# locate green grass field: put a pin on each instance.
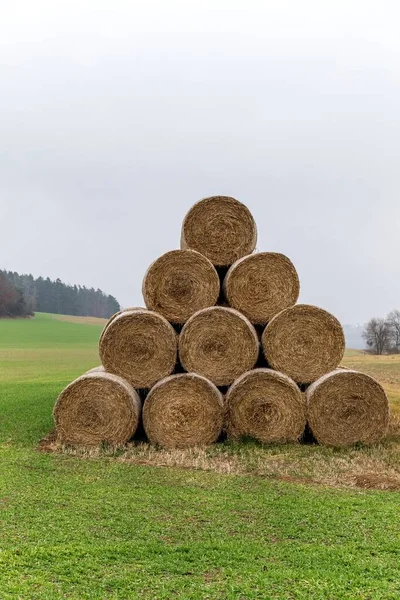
(108, 527)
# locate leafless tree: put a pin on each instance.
(378, 335)
(393, 319)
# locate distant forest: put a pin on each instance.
(44, 295)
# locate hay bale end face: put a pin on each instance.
(95, 408)
(180, 283)
(140, 346)
(218, 343)
(221, 228)
(182, 411)
(262, 285)
(265, 405)
(347, 407)
(304, 342)
(114, 316)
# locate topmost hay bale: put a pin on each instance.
(346, 407)
(180, 283)
(139, 345)
(262, 285)
(221, 228)
(303, 341)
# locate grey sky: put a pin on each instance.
(115, 117)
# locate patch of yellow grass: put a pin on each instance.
(376, 467)
(80, 320)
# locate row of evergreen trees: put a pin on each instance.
(44, 295)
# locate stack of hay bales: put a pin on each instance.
(221, 346)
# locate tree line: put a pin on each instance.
(12, 301)
(382, 336)
(26, 294)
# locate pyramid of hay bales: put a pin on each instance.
(221, 347)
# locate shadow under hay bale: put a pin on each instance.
(303, 341)
(182, 411)
(265, 405)
(347, 407)
(97, 408)
(221, 228)
(261, 285)
(139, 345)
(180, 283)
(218, 343)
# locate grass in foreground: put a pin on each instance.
(100, 529)
(108, 528)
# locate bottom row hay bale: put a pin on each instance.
(183, 410)
(347, 407)
(265, 405)
(343, 408)
(97, 408)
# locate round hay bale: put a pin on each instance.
(95, 408)
(304, 342)
(346, 407)
(262, 285)
(139, 345)
(182, 411)
(218, 343)
(111, 319)
(180, 283)
(265, 405)
(221, 228)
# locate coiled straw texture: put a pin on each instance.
(139, 345)
(182, 411)
(304, 342)
(221, 228)
(262, 285)
(347, 407)
(265, 405)
(97, 408)
(180, 283)
(218, 343)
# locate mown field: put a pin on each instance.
(237, 521)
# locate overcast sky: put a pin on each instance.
(115, 117)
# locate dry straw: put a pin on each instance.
(265, 405)
(139, 345)
(346, 407)
(179, 283)
(221, 228)
(95, 408)
(182, 411)
(219, 343)
(262, 285)
(303, 341)
(111, 319)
